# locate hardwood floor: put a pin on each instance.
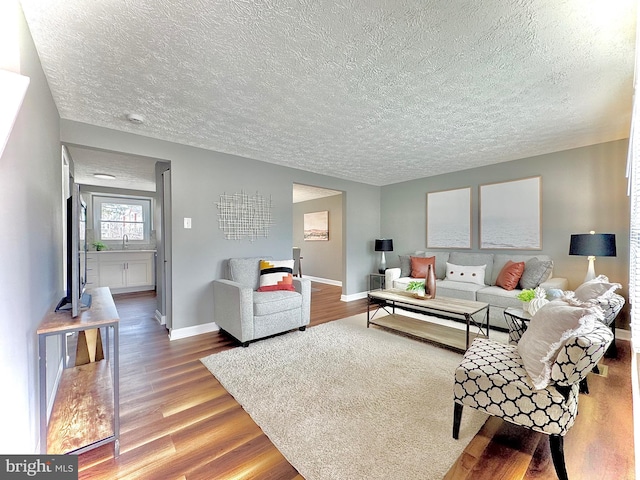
(177, 422)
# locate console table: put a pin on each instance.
(85, 410)
(445, 307)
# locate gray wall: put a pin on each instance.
(199, 177)
(582, 189)
(322, 259)
(31, 245)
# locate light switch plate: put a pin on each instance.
(187, 222)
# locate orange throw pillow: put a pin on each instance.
(510, 275)
(419, 266)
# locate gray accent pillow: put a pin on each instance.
(535, 272)
(405, 265)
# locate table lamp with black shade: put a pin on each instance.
(383, 245)
(592, 245)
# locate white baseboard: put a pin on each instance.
(178, 333)
(328, 281)
(355, 296)
(623, 334)
(162, 319)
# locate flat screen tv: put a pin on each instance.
(76, 298)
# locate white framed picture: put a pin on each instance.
(449, 218)
(316, 226)
(510, 215)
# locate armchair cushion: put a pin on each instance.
(267, 303)
(548, 331)
(596, 289)
(276, 275)
(246, 271)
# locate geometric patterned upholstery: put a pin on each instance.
(491, 378)
(611, 306)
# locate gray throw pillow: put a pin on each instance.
(405, 265)
(535, 272)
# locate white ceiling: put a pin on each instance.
(376, 91)
(304, 193)
(131, 172)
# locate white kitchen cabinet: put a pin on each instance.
(126, 271)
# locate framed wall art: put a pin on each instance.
(316, 226)
(510, 215)
(449, 218)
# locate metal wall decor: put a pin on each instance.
(243, 216)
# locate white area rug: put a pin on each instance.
(341, 401)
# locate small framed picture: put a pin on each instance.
(316, 226)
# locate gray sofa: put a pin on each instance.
(498, 298)
(242, 311)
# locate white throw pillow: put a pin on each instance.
(466, 273)
(548, 331)
(596, 289)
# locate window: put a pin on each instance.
(115, 217)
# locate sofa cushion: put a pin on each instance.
(468, 258)
(499, 297)
(441, 260)
(267, 303)
(405, 265)
(463, 291)
(510, 274)
(420, 266)
(501, 259)
(276, 275)
(466, 273)
(535, 272)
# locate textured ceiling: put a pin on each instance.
(304, 193)
(131, 172)
(368, 90)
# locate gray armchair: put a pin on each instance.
(247, 314)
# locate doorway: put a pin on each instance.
(322, 255)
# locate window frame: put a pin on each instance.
(147, 209)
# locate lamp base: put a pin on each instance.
(383, 263)
(591, 270)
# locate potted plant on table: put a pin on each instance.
(533, 299)
(416, 288)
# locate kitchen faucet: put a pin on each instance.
(125, 239)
